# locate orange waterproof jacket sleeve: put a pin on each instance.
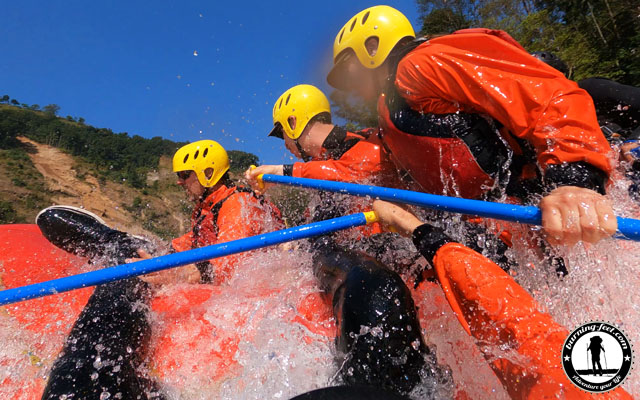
(365, 162)
(497, 311)
(183, 242)
(479, 71)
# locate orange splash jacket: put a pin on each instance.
(356, 157)
(227, 214)
(486, 72)
(496, 311)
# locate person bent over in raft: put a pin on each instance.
(495, 310)
(549, 141)
(222, 212)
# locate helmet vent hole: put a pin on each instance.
(185, 158)
(204, 154)
(341, 34)
(371, 44)
(288, 97)
(353, 24)
(365, 17)
(292, 122)
(196, 155)
(280, 105)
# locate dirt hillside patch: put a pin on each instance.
(113, 202)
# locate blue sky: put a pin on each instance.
(131, 66)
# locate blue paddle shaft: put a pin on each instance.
(178, 259)
(627, 228)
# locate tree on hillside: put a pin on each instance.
(15, 102)
(357, 113)
(4, 99)
(443, 20)
(594, 37)
(34, 107)
(51, 109)
(240, 161)
(610, 28)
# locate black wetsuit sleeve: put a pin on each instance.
(287, 170)
(428, 239)
(578, 174)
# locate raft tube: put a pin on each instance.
(103, 351)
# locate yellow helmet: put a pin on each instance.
(200, 156)
(302, 102)
(383, 22)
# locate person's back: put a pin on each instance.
(488, 73)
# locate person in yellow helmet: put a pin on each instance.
(222, 211)
(546, 141)
(302, 118)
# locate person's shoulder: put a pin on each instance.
(370, 143)
(247, 197)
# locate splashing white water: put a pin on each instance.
(258, 338)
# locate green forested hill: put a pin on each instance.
(45, 160)
(116, 156)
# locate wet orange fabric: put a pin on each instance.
(497, 311)
(481, 71)
(366, 162)
(439, 165)
(42, 324)
(241, 215)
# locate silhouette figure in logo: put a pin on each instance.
(595, 346)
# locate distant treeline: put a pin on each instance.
(593, 37)
(117, 156)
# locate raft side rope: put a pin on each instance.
(628, 228)
(156, 264)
